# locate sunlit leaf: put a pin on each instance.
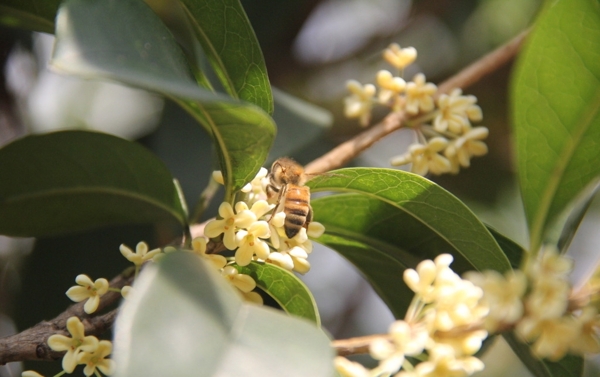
(230, 44)
(425, 220)
(124, 40)
(35, 15)
(569, 366)
(183, 319)
(285, 288)
(75, 180)
(555, 103)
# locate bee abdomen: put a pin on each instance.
(296, 209)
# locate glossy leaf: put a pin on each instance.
(37, 15)
(383, 272)
(124, 40)
(569, 366)
(434, 220)
(285, 288)
(230, 44)
(513, 251)
(75, 180)
(183, 319)
(555, 100)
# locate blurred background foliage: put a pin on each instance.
(311, 48)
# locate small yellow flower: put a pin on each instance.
(460, 151)
(419, 95)
(250, 243)
(347, 368)
(229, 224)
(399, 57)
(390, 87)
(141, 254)
(199, 248)
(426, 158)
(126, 291)
(88, 289)
(552, 337)
(256, 189)
(242, 282)
(97, 359)
(587, 342)
(360, 101)
(78, 342)
(31, 373)
(455, 112)
(503, 294)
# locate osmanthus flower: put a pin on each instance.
(31, 373)
(587, 340)
(251, 242)
(503, 294)
(292, 254)
(360, 102)
(419, 95)
(244, 283)
(551, 337)
(126, 291)
(88, 290)
(460, 150)
(199, 248)
(550, 265)
(406, 340)
(443, 362)
(140, 255)
(426, 158)
(229, 223)
(348, 368)
(390, 87)
(456, 112)
(97, 359)
(399, 57)
(75, 344)
(256, 188)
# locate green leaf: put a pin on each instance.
(75, 180)
(230, 44)
(569, 366)
(37, 15)
(513, 251)
(183, 319)
(382, 271)
(290, 292)
(124, 40)
(555, 102)
(432, 220)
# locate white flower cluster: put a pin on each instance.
(443, 320)
(80, 350)
(255, 233)
(449, 142)
(537, 304)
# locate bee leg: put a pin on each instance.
(309, 217)
(271, 192)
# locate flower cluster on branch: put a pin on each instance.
(447, 138)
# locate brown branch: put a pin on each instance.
(356, 346)
(32, 344)
(343, 153)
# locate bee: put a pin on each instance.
(286, 183)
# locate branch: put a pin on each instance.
(32, 344)
(346, 151)
(356, 346)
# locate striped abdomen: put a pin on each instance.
(297, 209)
